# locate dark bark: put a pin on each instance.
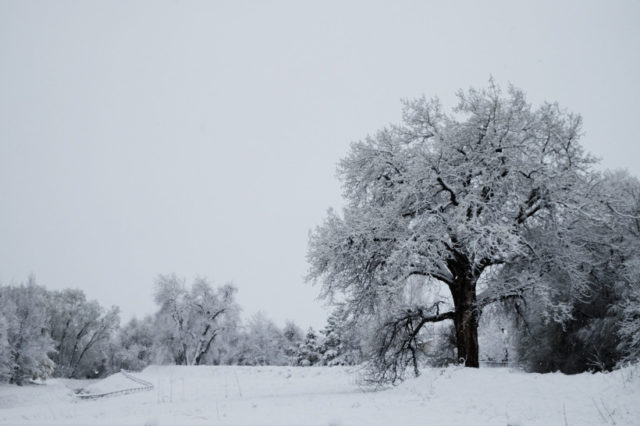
(206, 348)
(79, 336)
(179, 359)
(465, 320)
(466, 325)
(59, 348)
(94, 338)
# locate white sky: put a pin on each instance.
(201, 138)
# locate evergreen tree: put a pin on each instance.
(309, 351)
(340, 345)
(293, 336)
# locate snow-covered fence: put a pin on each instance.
(144, 386)
(138, 380)
(490, 363)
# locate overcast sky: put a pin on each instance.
(201, 138)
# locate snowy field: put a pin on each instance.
(330, 396)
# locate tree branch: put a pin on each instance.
(437, 276)
(484, 301)
(452, 195)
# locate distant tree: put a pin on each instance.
(134, 345)
(191, 320)
(626, 209)
(629, 330)
(309, 351)
(264, 343)
(229, 342)
(81, 331)
(451, 199)
(340, 345)
(293, 336)
(27, 342)
(332, 344)
(64, 326)
(5, 353)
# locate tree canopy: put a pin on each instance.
(452, 198)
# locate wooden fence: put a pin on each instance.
(144, 386)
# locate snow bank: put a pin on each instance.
(324, 396)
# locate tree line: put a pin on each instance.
(483, 234)
(60, 333)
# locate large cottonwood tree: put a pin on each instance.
(450, 197)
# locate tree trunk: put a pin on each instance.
(466, 319)
(201, 353)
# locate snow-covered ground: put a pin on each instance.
(208, 395)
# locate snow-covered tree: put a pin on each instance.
(293, 337)
(81, 330)
(264, 343)
(27, 336)
(190, 321)
(626, 209)
(451, 198)
(341, 342)
(309, 351)
(602, 244)
(629, 329)
(5, 354)
(228, 343)
(133, 346)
